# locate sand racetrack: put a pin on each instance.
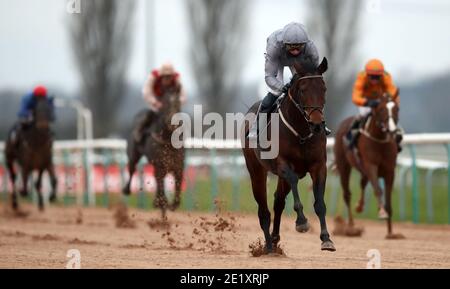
(201, 240)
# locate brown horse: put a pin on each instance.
(33, 151)
(157, 148)
(302, 150)
(375, 158)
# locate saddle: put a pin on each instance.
(273, 109)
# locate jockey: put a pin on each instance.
(27, 106)
(371, 84)
(154, 89)
(285, 47)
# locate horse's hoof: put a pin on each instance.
(303, 228)
(52, 199)
(174, 206)
(275, 240)
(159, 203)
(126, 191)
(24, 194)
(395, 236)
(382, 214)
(269, 249)
(328, 246)
(359, 209)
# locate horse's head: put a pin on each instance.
(43, 113)
(170, 106)
(308, 91)
(386, 115)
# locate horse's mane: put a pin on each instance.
(303, 67)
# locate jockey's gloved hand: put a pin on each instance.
(373, 103)
(286, 88)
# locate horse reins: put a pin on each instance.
(367, 134)
(302, 109)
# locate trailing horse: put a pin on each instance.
(302, 150)
(157, 148)
(32, 151)
(375, 158)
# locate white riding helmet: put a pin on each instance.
(167, 69)
(295, 33)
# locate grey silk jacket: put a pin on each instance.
(277, 57)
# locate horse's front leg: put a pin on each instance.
(38, 186)
(53, 183)
(319, 178)
(12, 176)
(372, 175)
(160, 199)
(282, 191)
(178, 175)
(301, 224)
(389, 182)
(25, 176)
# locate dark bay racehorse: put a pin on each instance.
(32, 151)
(376, 158)
(302, 147)
(157, 148)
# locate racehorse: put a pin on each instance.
(157, 148)
(302, 150)
(32, 151)
(375, 158)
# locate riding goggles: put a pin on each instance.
(375, 77)
(295, 46)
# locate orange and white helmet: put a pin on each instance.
(167, 69)
(374, 67)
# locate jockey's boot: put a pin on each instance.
(16, 132)
(266, 106)
(352, 135)
(138, 132)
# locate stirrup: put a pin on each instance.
(253, 132)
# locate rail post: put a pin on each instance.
(429, 190)
(106, 166)
(214, 179)
(402, 192)
(448, 180)
(67, 167)
(415, 189)
(236, 179)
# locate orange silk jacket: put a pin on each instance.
(363, 90)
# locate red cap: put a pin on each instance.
(40, 91)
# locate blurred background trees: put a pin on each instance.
(218, 48)
(217, 33)
(101, 37)
(334, 26)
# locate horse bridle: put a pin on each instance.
(379, 124)
(303, 111)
